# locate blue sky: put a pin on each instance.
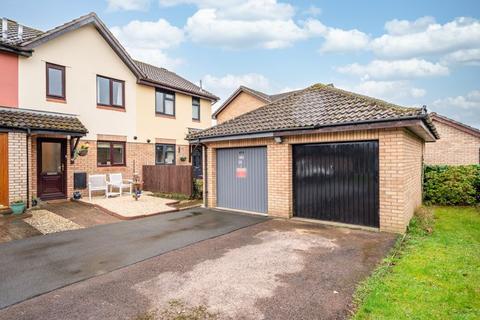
(406, 52)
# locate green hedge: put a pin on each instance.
(452, 185)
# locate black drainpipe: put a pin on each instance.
(28, 171)
(205, 176)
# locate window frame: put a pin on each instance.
(124, 164)
(110, 89)
(165, 92)
(164, 153)
(196, 105)
(48, 66)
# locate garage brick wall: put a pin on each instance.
(400, 155)
(455, 147)
(413, 168)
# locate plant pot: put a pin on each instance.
(17, 208)
(82, 152)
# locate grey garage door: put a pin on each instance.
(337, 182)
(242, 179)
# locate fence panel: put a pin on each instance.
(168, 178)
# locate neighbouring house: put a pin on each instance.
(244, 100)
(320, 153)
(459, 144)
(74, 86)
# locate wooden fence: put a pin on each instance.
(168, 178)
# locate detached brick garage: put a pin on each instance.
(328, 154)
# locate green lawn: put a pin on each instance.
(433, 276)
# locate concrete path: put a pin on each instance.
(37, 265)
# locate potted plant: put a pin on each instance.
(83, 151)
(183, 158)
(34, 201)
(17, 206)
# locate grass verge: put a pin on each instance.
(433, 272)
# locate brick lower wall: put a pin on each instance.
(400, 163)
(455, 147)
(17, 166)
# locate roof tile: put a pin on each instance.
(15, 118)
(315, 106)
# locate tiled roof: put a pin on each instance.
(263, 96)
(143, 71)
(15, 118)
(170, 79)
(316, 106)
(12, 33)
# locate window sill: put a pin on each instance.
(57, 100)
(110, 165)
(120, 109)
(196, 120)
(168, 116)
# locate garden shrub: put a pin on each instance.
(452, 185)
(197, 189)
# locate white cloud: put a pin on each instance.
(401, 27)
(147, 40)
(128, 5)
(337, 40)
(241, 9)
(468, 56)
(396, 69)
(392, 91)
(462, 108)
(225, 85)
(434, 38)
(313, 11)
(207, 26)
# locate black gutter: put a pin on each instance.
(422, 117)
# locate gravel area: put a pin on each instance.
(126, 206)
(48, 222)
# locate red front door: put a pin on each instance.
(51, 166)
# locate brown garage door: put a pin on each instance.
(337, 182)
(3, 169)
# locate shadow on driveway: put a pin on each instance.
(34, 266)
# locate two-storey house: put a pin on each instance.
(75, 86)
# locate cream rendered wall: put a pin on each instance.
(85, 54)
(151, 125)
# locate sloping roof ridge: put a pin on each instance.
(60, 27)
(204, 92)
(470, 129)
(259, 108)
(378, 102)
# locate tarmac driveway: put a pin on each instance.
(271, 270)
(37, 265)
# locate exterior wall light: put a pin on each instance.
(278, 139)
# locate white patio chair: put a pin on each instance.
(115, 180)
(97, 182)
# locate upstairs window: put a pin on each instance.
(110, 92)
(195, 108)
(55, 81)
(164, 154)
(165, 102)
